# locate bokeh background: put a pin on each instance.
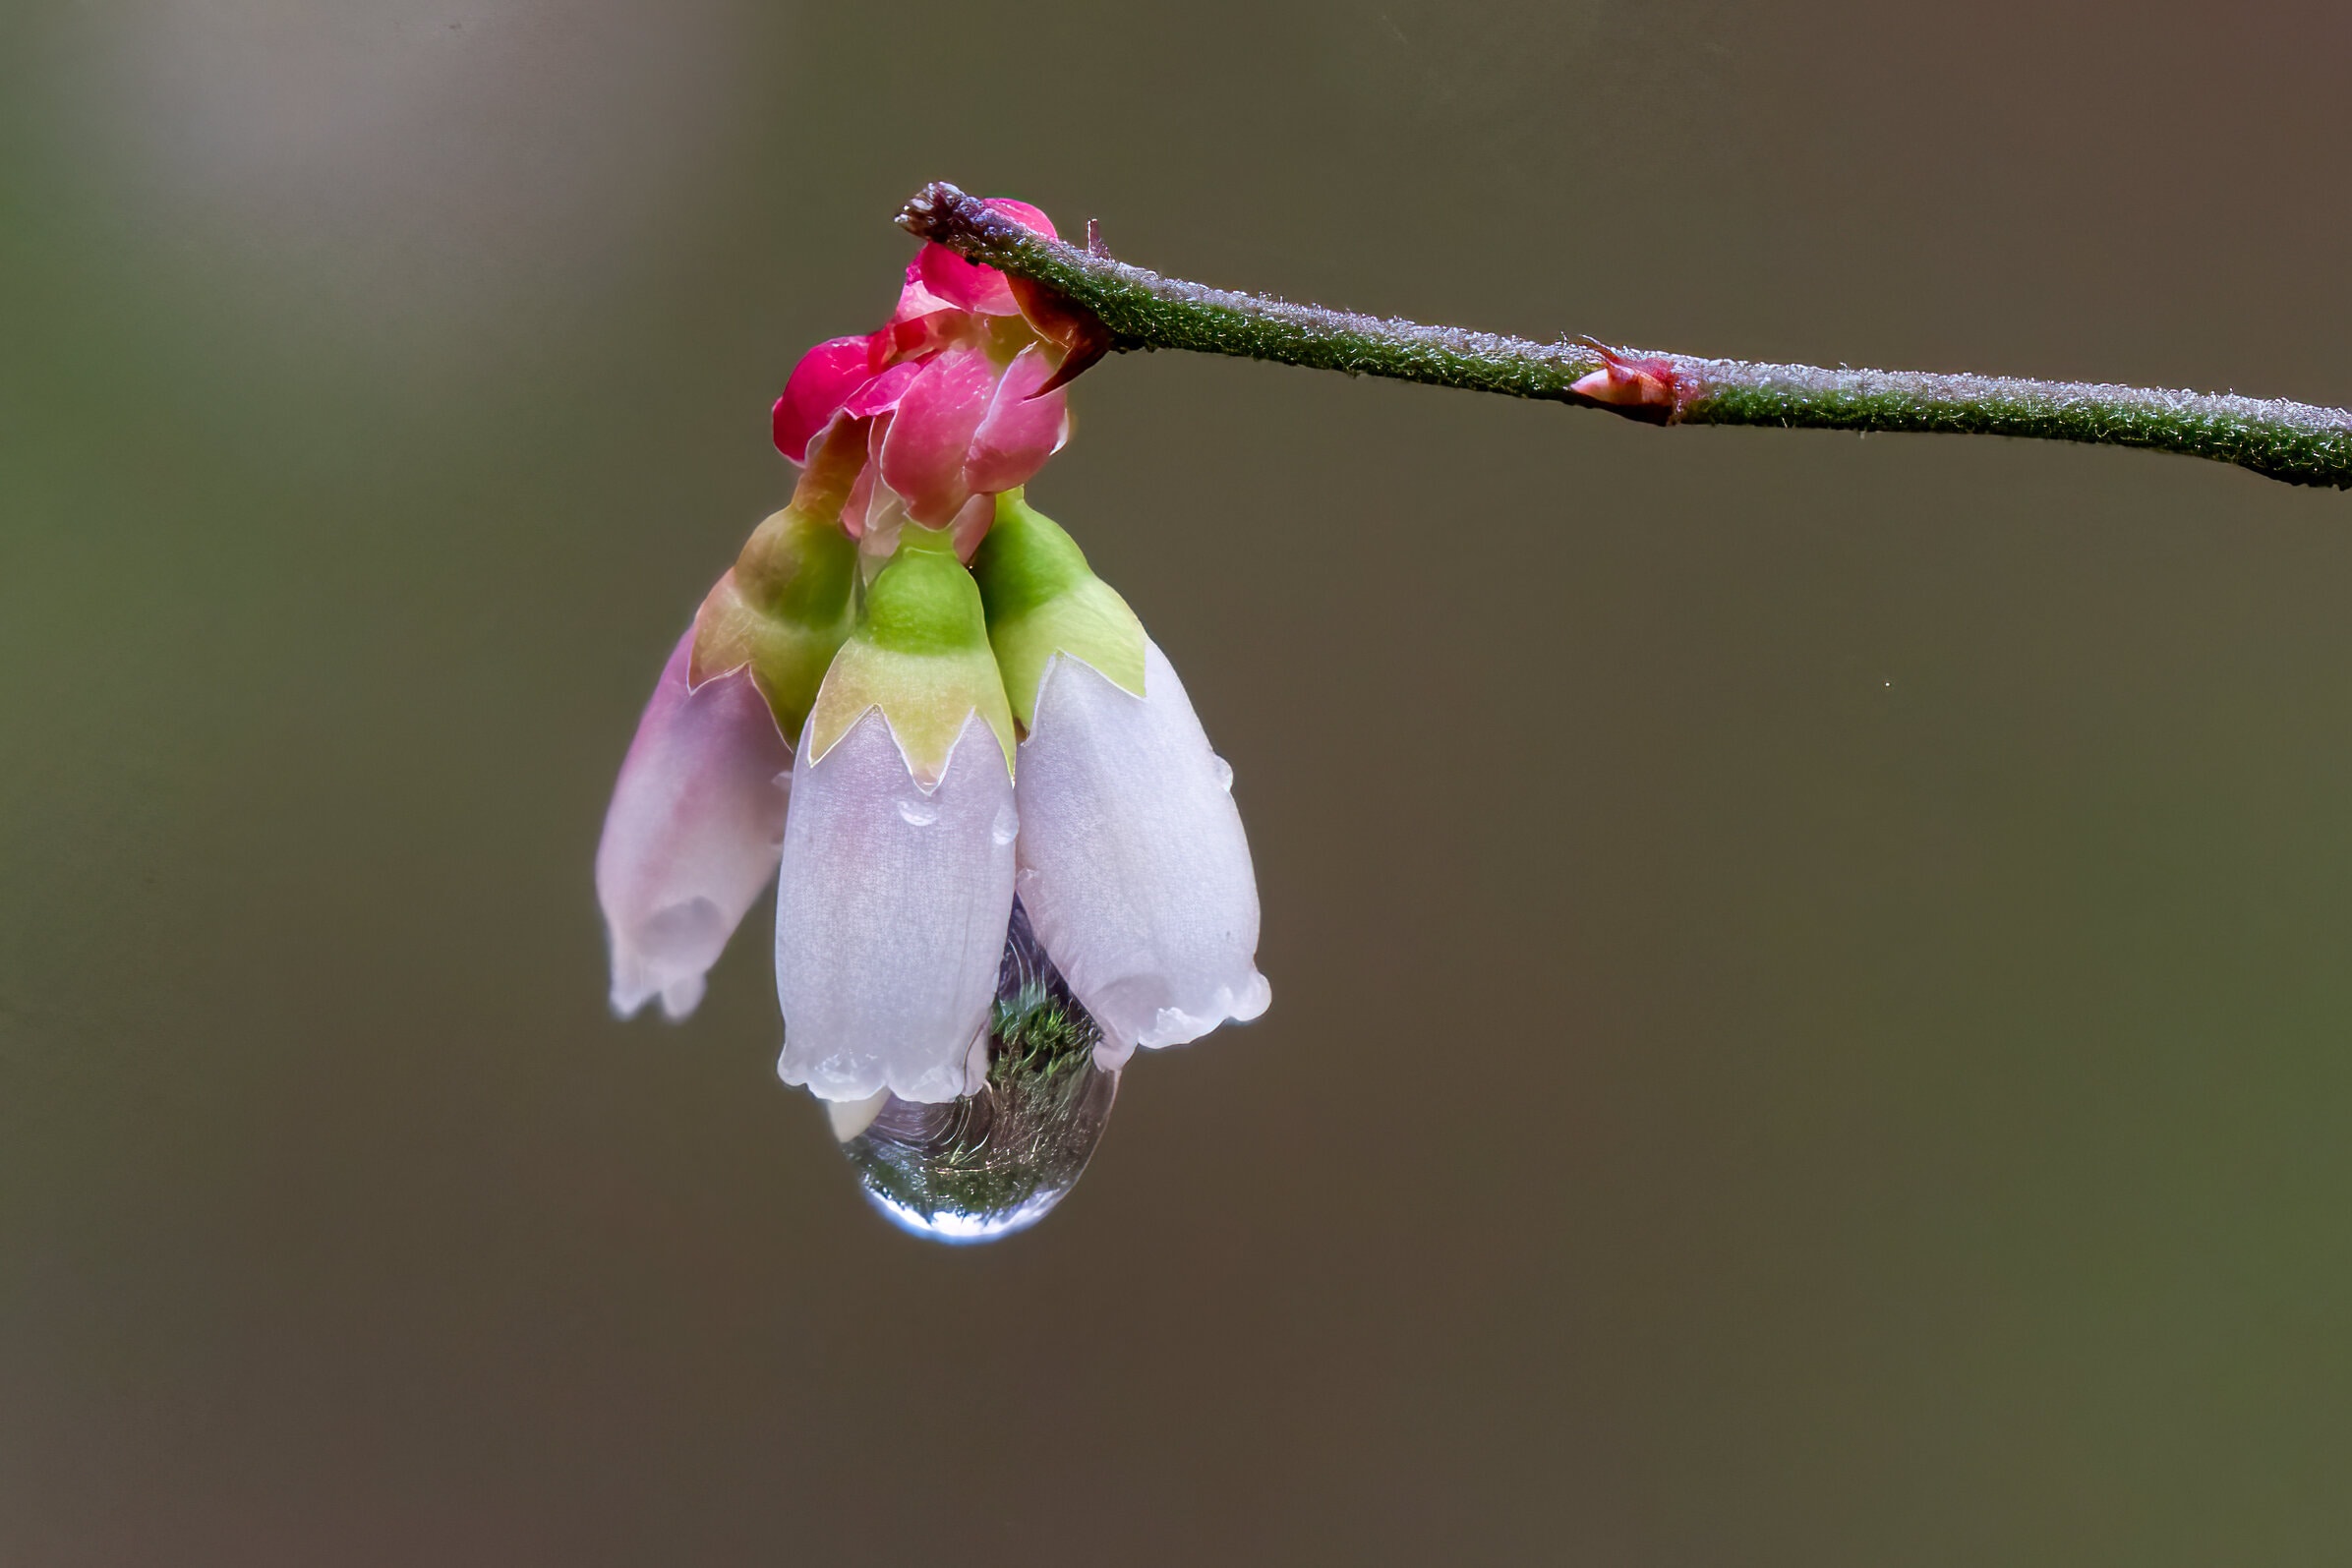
(1811, 989)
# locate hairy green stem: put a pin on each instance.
(1114, 306)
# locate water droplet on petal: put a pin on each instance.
(1224, 772)
(1006, 826)
(997, 1160)
(918, 813)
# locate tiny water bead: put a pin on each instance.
(997, 1160)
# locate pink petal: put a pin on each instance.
(921, 335)
(967, 284)
(922, 457)
(1028, 217)
(692, 834)
(939, 273)
(1020, 429)
(826, 375)
(881, 394)
(916, 298)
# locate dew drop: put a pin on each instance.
(996, 1160)
(1006, 826)
(918, 813)
(1224, 772)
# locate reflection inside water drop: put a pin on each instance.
(996, 1161)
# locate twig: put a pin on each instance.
(1113, 306)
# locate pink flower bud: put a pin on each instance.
(942, 275)
(692, 834)
(962, 385)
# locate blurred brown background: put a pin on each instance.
(1811, 985)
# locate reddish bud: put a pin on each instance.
(956, 396)
(1646, 386)
(825, 376)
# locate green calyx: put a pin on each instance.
(921, 654)
(1042, 598)
(784, 610)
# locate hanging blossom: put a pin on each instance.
(1004, 853)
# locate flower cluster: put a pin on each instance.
(951, 402)
(911, 702)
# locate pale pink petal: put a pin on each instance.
(885, 520)
(860, 499)
(922, 457)
(693, 834)
(873, 514)
(972, 522)
(825, 376)
(1020, 429)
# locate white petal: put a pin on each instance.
(1133, 862)
(891, 912)
(852, 1117)
(691, 836)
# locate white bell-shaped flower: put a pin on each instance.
(891, 909)
(1134, 865)
(691, 837)
(897, 876)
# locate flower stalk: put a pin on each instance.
(1113, 306)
